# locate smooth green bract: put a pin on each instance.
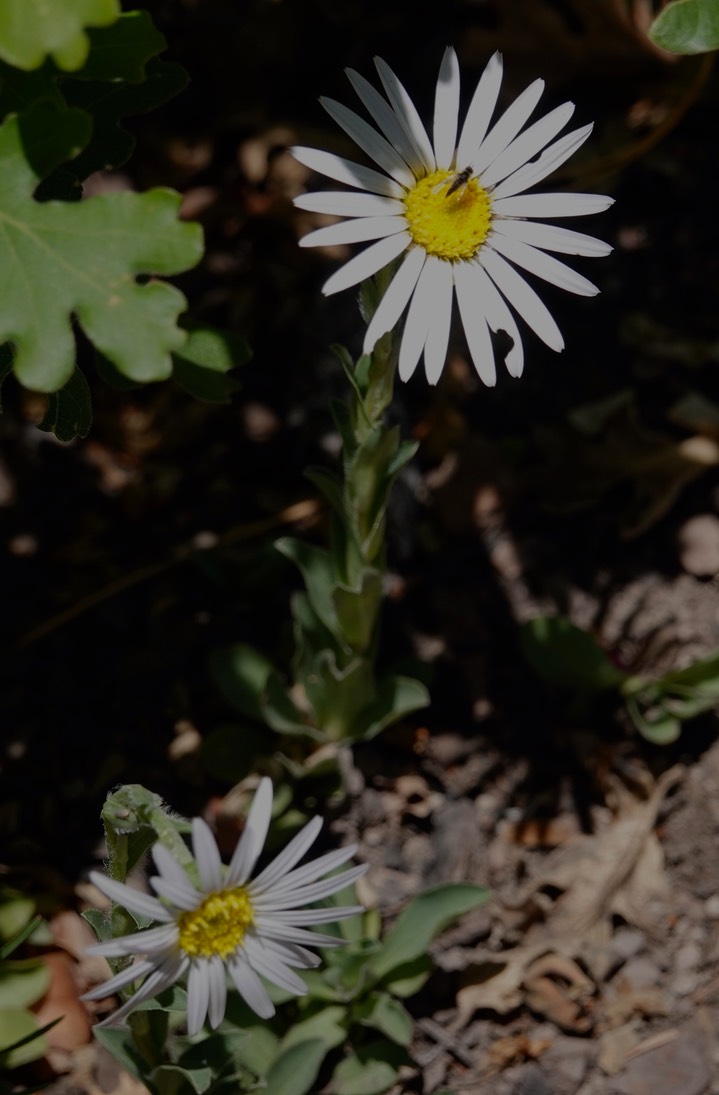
(60, 260)
(31, 30)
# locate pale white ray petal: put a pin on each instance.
(346, 171)
(446, 109)
(435, 348)
(527, 144)
(314, 870)
(522, 298)
(551, 158)
(468, 287)
(302, 917)
(171, 870)
(372, 142)
(480, 111)
(367, 263)
(268, 928)
(544, 266)
(406, 112)
(293, 955)
(207, 857)
(198, 995)
(253, 836)
(147, 942)
(419, 317)
(250, 987)
(218, 991)
(182, 897)
(357, 231)
(156, 983)
(287, 858)
(552, 205)
(342, 203)
(507, 127)
(387, 120)
(285, 898)
(500, 318)
(269, 965)
(552, 238)
(131, 899)
(395, 299)
(124, 977)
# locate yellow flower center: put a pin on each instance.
(449, 225)
(218, 925)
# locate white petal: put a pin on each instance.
(198, 994)
(372, 142)
(218, 991)
(367, 263)
(395, 299)
(268, 928)
(507, 127)
(435, 348)
(551, 158)
(131, 899)
(315, 869)
(552, 205)
(480, 111)
(522, 298)
(342, 203)
(253, 837)
(124, 977)
(292, 954)
(407, 114)
(544, 266)
(291, 854)
(419, 317)
(148, 942)
(182, 897)
(471, 308)
(207, 857)
(500, 318)
(269, 965)
(528, 144)
(250, 987)
(551, 238)
(358, 231)
(310, 916)
(156, 983)
(285, 898)
(446, 109)
(346, 171)
(172, 872)
(387, 120)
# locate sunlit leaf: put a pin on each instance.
(30, 30)
(687, 26)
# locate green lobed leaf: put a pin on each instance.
(328, 1024)
(388, 1016)
(564, 655)
(121, 51)
(687, 26)
(30, 30)
(69, 411)
(317, 570)
(207, 356)
(241, 673)
(425, 916)
(295, 1070)
(23, 982)
(61, 259)
(337, 695)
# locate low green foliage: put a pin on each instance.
(30, 30)
(687, 26)
(23, 982)
(571, 659)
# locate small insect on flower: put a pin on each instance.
(453, 212)
(231, 924)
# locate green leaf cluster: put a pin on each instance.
(687, 26)
(572, 660)
(23, 982)
(71, 72)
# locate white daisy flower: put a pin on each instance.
(247, 927)
(459, 213)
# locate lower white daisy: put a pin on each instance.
(458, 212)
(232, 924)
